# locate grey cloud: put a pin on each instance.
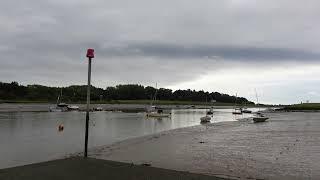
(146, 41)
(224, 52)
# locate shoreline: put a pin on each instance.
(124, 107)
(44, 107)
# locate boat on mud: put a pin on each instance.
(237, 111)
(210, 112)
(259, 118)
(62, 107)
(205, 119)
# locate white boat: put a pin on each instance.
(98, 109)
(259, 117)
(154, 111)
(236, 110)
(60, 107)
(205, 119)
(55, 109)
(73, 108)
(157, 114)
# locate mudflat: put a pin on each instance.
(287, 146)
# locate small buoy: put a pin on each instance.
(60, 127)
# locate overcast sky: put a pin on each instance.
(229, 46)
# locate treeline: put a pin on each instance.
(14, 91)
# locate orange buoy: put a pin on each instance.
(60, 127)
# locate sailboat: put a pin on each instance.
(207, 118)
(245, 110)
(236, 109)
(154, 111)
(60, 106)
(210, 112)
(259, 117)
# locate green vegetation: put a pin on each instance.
(120, 94)
(304, 106)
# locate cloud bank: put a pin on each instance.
(229, 46)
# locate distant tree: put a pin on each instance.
(77, 93)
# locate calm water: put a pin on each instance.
(28, 137)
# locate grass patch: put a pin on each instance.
(304, 106)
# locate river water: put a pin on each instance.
(29, 137)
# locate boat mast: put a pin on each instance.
(235, 102)
(59, 97)
(155, 95)
(257, 98)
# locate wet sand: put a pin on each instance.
(285, 147)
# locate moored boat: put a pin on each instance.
(210, 112)
(73, 108)
(154, 111)
(246, 111)
(158, 113)
(98, 109)
(60, 106)
(259, 118)
(205, 119)
(237, 111)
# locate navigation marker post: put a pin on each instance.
(90, 55)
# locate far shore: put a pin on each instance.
(158, 102)
(124, 106)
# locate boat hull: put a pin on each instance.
(246, 111)
(259, 119)
(205, 119)
(73, 108)
(158, 115)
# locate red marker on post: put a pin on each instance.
(90, 55)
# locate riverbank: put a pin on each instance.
(94, 169)
(158, 102)
(44, 107)
(285, 147)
